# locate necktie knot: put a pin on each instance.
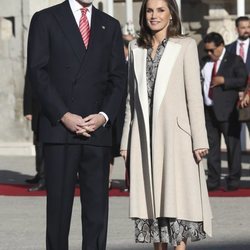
(241, 44)
(84, 11)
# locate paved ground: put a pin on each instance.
(22, 219)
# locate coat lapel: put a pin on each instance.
(140, 60)
(69, 26)
(164, 72)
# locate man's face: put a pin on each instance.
(243, 30)
(213, 52)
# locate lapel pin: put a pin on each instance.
(103, 27)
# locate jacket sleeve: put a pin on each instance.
(239, 79)
(116, 77)
(194, 96)
(38, 68)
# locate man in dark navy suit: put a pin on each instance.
(241, 47)
(77, 67)
(224, 75)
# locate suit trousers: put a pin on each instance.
(231, 133)
(62, 164)
(39, 157)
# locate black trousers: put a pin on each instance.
(39, 157)
(62, 164)
(231, 132)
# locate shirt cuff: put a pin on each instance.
(106, 118)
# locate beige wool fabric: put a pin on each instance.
(174, 184)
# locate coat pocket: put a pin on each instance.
(183, 125)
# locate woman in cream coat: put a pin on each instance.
(164, 132)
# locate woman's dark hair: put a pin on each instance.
(174, 28)
(214, 37)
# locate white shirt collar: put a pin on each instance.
(245, 42)
(222, 54)
(75, 6)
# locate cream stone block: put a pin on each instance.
(5, 29)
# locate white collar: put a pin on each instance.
(222, 54)
(75, 6)
(244, 42)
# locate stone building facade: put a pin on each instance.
(199, 17)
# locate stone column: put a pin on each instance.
(129, 11)
(241, 8)
(110, 7)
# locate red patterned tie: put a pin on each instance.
(210, 92)
(84, 27)
(242, 53)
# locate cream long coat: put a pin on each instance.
(173, 185)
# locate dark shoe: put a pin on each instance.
(38, 187)
(34, 180)
(232, 184)
(211, 187)
(215, 188)
(232, 188)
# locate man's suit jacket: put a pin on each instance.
(225, 97)
(232, 49)
(68, 78)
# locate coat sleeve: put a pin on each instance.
(38, 67)
(129, 103)
(194, 96)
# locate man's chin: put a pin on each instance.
(243, 38)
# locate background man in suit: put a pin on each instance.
(31, 111)
(241, 47)
(224, 75)
(77, 67)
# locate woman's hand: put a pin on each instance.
(200, 153)
(124, 154)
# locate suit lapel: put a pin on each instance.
(165, 69)
(248, 60)
(222, 64)
(69, 26)
(234, 48)
(96, 37)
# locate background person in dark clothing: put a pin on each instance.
(241, 47)
(224, 75)
(31, 111)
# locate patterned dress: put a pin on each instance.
(165, 230)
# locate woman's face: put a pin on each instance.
(157, 15)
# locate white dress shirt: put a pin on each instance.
(76, 10)
(206, 73)
(245, 46)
